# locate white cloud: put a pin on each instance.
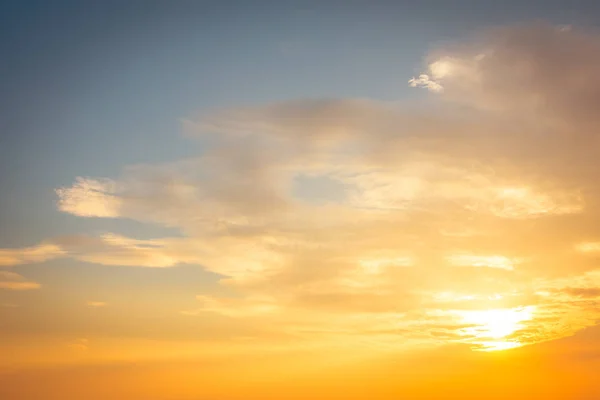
(424, 81)
(90, 198)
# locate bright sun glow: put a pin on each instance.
(491, 328)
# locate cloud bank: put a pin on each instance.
(366, 220)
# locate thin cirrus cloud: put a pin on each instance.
(501, 175)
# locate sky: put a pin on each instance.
(285, 199)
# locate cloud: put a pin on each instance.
(35, 254)
(19, 285)
(110, 249)
(498, 172)
(89, 198)
(529, 70)
(424, 81)
(14, 281)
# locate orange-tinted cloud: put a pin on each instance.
(14, 281)
(489, 196)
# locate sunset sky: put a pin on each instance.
(219, 200)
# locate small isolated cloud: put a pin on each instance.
(424, 81)
(96, 304)
(89, 198)
(14, 281)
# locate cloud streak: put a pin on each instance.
(27, 255)
(13, 281)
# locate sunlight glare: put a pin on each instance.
(495, 324)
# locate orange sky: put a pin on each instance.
(561, 369)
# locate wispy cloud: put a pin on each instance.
(40, 253)
(13, 281)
